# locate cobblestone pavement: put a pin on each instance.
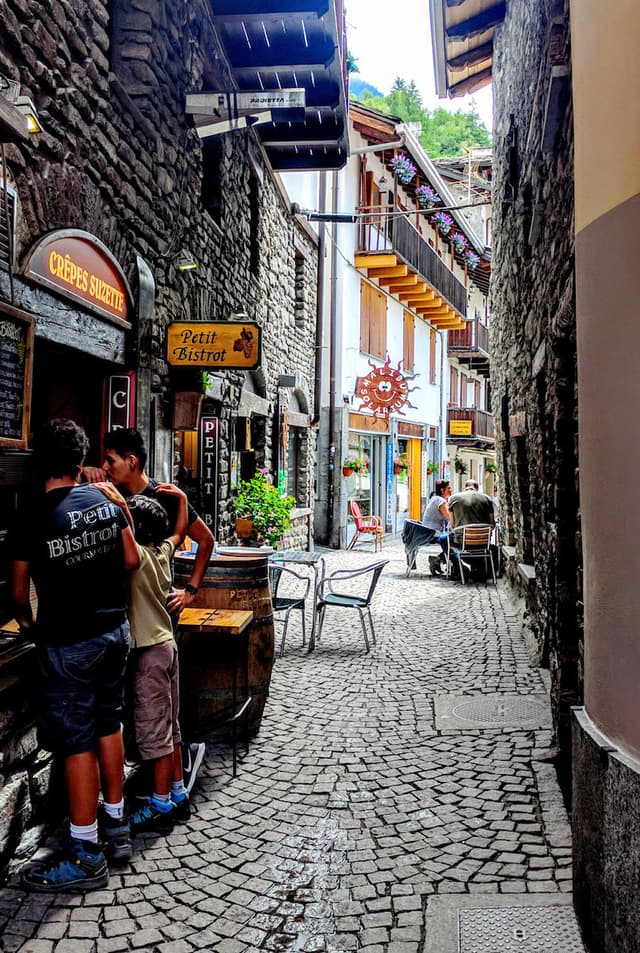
(351, 809)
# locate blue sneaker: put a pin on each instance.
(148, 818)
(192, 755)
(116, 836)
(80, 865)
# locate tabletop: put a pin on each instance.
(231, 621)
(300, 556)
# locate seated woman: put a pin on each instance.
(436, 513)
(435, 517)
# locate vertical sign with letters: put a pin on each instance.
(389, 487)
(209, 433)
(119, 405)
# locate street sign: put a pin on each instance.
(233, 345)
(230, 105)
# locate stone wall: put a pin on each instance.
(120, 159)
(533, 330)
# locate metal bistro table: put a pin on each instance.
(316, 562)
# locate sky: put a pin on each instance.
(394, 39)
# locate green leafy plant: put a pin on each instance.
(261, 502)
(400, 463)
(460, 466)
(433, 467)
(355, 464)
(490, 468)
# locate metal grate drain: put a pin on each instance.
(548, 929)
(500, 711)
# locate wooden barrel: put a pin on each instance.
(207, 660)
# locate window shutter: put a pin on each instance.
(432, 356)
(7, 216)
(408, 341)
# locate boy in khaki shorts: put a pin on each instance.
(154, 660)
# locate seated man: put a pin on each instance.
(469, 506)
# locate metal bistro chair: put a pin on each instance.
(346, 600)
(365, 525)
(472, 541)
(280, 574)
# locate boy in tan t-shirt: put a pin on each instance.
(154, 660)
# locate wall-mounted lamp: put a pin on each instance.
(383, 184)
(185, 261)
(28, 110)
(239, 316)
(10, 90)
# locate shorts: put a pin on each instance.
(81, 691)
(156, 700)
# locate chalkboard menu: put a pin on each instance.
(16, 357)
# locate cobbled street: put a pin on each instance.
(367, 792)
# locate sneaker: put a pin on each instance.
(116, 835)
(181, 809)
(148, 819)
(80, 866)
(434, 566)
(192, 755)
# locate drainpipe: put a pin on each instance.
(322, 248)
(442, 422)
(331, 474)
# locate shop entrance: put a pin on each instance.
(367, 487)
(68, 383)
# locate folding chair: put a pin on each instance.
(470, 542)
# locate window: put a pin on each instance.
(433, 371)
(254, 224)
(463, 390)
(211, 192)
(453, 387)
(409, 328)
(299, 289)
(373, 321)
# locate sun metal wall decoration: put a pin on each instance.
(384, 390)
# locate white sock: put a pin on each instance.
(85, 832)
(163, 801)
(116, 811)
(178, 790)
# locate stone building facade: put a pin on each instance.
(119, 161)
(533, 341)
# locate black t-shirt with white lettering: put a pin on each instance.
(72, 539)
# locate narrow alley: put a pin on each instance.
(377, 809)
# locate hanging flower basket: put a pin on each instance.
(354, 465)
(460, 242)
(433, 467)
(426, 196)
(443, 222)
(403, 167)
(460, 466)
(471, 260)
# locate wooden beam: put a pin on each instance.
(375, 261)
(470, 85)
(488, 18)
(400, 271)
(420, 289)
(409, 281)
(471, 57)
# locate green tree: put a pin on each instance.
(443, 133)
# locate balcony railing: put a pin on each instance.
(478, 423)
(475, 337)
(379, 231)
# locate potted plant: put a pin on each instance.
(471, 260)
(433, 467)
(403, 167)
(460, 243)
(460, 466)
(426, 196)
(400, 465)
(490, 468)
(443, 222)
(269, 513)
(352, 464)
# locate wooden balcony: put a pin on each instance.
(471, 346)
(417, 274)
(470, 427)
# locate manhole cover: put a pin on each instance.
(549, 929)
(499, 710)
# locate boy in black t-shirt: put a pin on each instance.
(77, 546)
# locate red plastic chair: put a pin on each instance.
(365, 525)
